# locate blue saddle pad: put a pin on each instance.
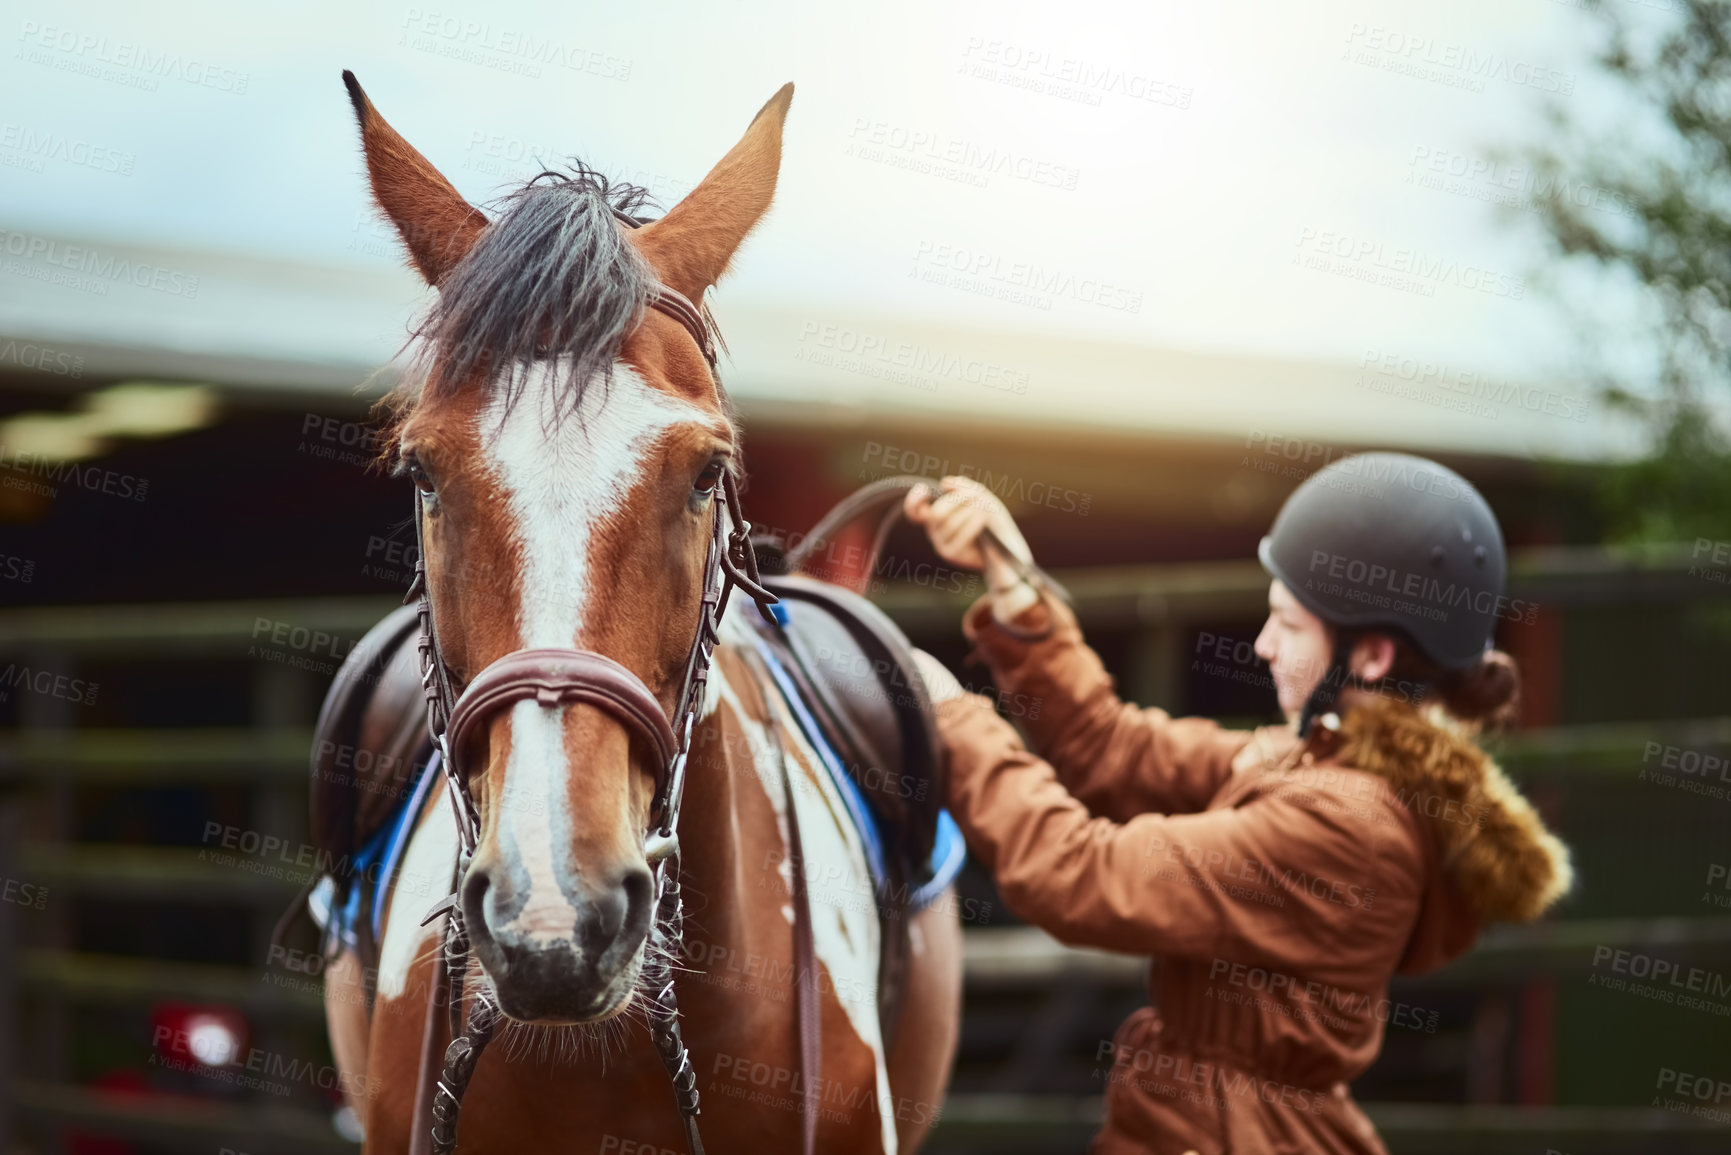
(375, 861)
(949, 852)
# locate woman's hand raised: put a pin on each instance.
(957, 519)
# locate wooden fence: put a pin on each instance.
(71, 1016)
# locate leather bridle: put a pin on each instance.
(549, 678)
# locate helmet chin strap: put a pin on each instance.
(1334, 679)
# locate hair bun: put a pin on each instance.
(1488, 693)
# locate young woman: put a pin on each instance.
(1280, 877)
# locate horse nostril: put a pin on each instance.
(476, 885)
(618, 912)
(639, 902)
(636, 885)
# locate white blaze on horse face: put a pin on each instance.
(560, 481)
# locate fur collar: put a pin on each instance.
(1493, 844)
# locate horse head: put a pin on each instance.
(568, 444)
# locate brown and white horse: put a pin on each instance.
(567, 444)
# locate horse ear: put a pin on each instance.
(691, 246)
(436, 223)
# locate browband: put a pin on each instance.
(673, 303)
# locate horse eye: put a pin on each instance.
(419, 475)
(709, 478)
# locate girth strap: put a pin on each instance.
(427, 1069)
(805, 970)
(808, 995)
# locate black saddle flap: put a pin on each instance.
(371, 736)
(855, 669)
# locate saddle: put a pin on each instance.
(855, 668)
(851, 666)
(371, 739)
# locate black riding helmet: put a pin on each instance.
(1396, 543)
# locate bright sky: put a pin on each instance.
(1236, 177)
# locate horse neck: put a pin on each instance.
(731, 848)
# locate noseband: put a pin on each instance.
(551, 678)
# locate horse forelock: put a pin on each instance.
(553, 276)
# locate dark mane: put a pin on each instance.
(553, 275)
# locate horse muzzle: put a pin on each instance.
(552, 962)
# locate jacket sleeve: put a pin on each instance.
(1119, 759)
(1281, 879)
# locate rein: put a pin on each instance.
(882, 499)
(550, 677)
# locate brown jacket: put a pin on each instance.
(1277, 885)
